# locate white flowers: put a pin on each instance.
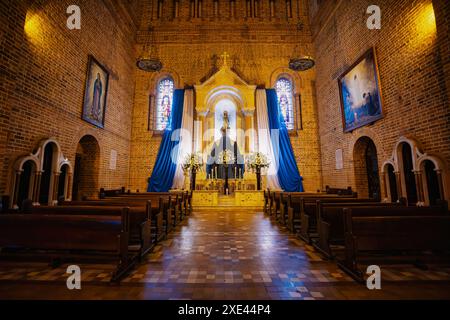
(257, 160)
(225, 157)
(193, 162)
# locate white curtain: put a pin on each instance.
(265, 143)
(185, 144)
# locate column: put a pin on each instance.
(385, 193)
(54, 199)
(15, 197)
(68, 189)
(37, 187)
(419, 186)
(399, 184)
(440, 183)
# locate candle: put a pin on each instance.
(235, 172)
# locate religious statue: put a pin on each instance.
(226, 121)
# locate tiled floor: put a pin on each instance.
(224, 254)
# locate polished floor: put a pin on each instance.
(224, 254)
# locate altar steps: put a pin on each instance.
(227, 201)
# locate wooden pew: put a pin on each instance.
(72, 237)
(377, 239)
(174, 207)
(308, 214)
(340, 191)
(330, 223)
(154, 207)
(143, 236)
(182, 195)
(296, 212)
(110, 193)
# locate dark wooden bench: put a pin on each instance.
(330, 222)
(182, 196)
(379, 239)
(143, 232)
(172, 209)
(155, 209)
(340, 191)
(308, 214)
(110, 193)
(296, 212)
(71, 237)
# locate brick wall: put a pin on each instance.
(413, 63)
(260, 49)
(43, 73)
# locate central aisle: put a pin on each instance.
(235, 254)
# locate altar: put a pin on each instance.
(240, 198)
(224, 134)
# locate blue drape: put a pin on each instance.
(164, 170)
(288, 174)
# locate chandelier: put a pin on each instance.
(299, 61)
(149, 60)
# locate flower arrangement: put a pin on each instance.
(193, 162)
(225, 157)
(257, 160)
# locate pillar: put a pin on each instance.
(36, 187)
(399, 184)
(440, 183)
(419, 186)
(15, 196)
(385, 192)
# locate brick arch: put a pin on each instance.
(297, 81)
(157, 77)
(366, 168)
(87, 168)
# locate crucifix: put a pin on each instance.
(225, 57)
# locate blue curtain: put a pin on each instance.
(164, 170)
(288, 174)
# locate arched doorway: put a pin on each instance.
(48, 168)
(431, 183)
(87, 164)
(365, 162)
(25, 190)
(392, 183)
(407, 167)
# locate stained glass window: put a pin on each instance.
(164, 103)
(285, 101)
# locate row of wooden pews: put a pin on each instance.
(121, 226)
(352, 230)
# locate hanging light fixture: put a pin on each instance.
(149, 61)
(300, 62)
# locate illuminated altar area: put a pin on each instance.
(225, 120)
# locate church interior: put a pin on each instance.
(224, 149)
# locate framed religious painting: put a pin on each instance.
(95, 93)
(360, 93)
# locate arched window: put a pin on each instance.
(285, 100)
(164, 103)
